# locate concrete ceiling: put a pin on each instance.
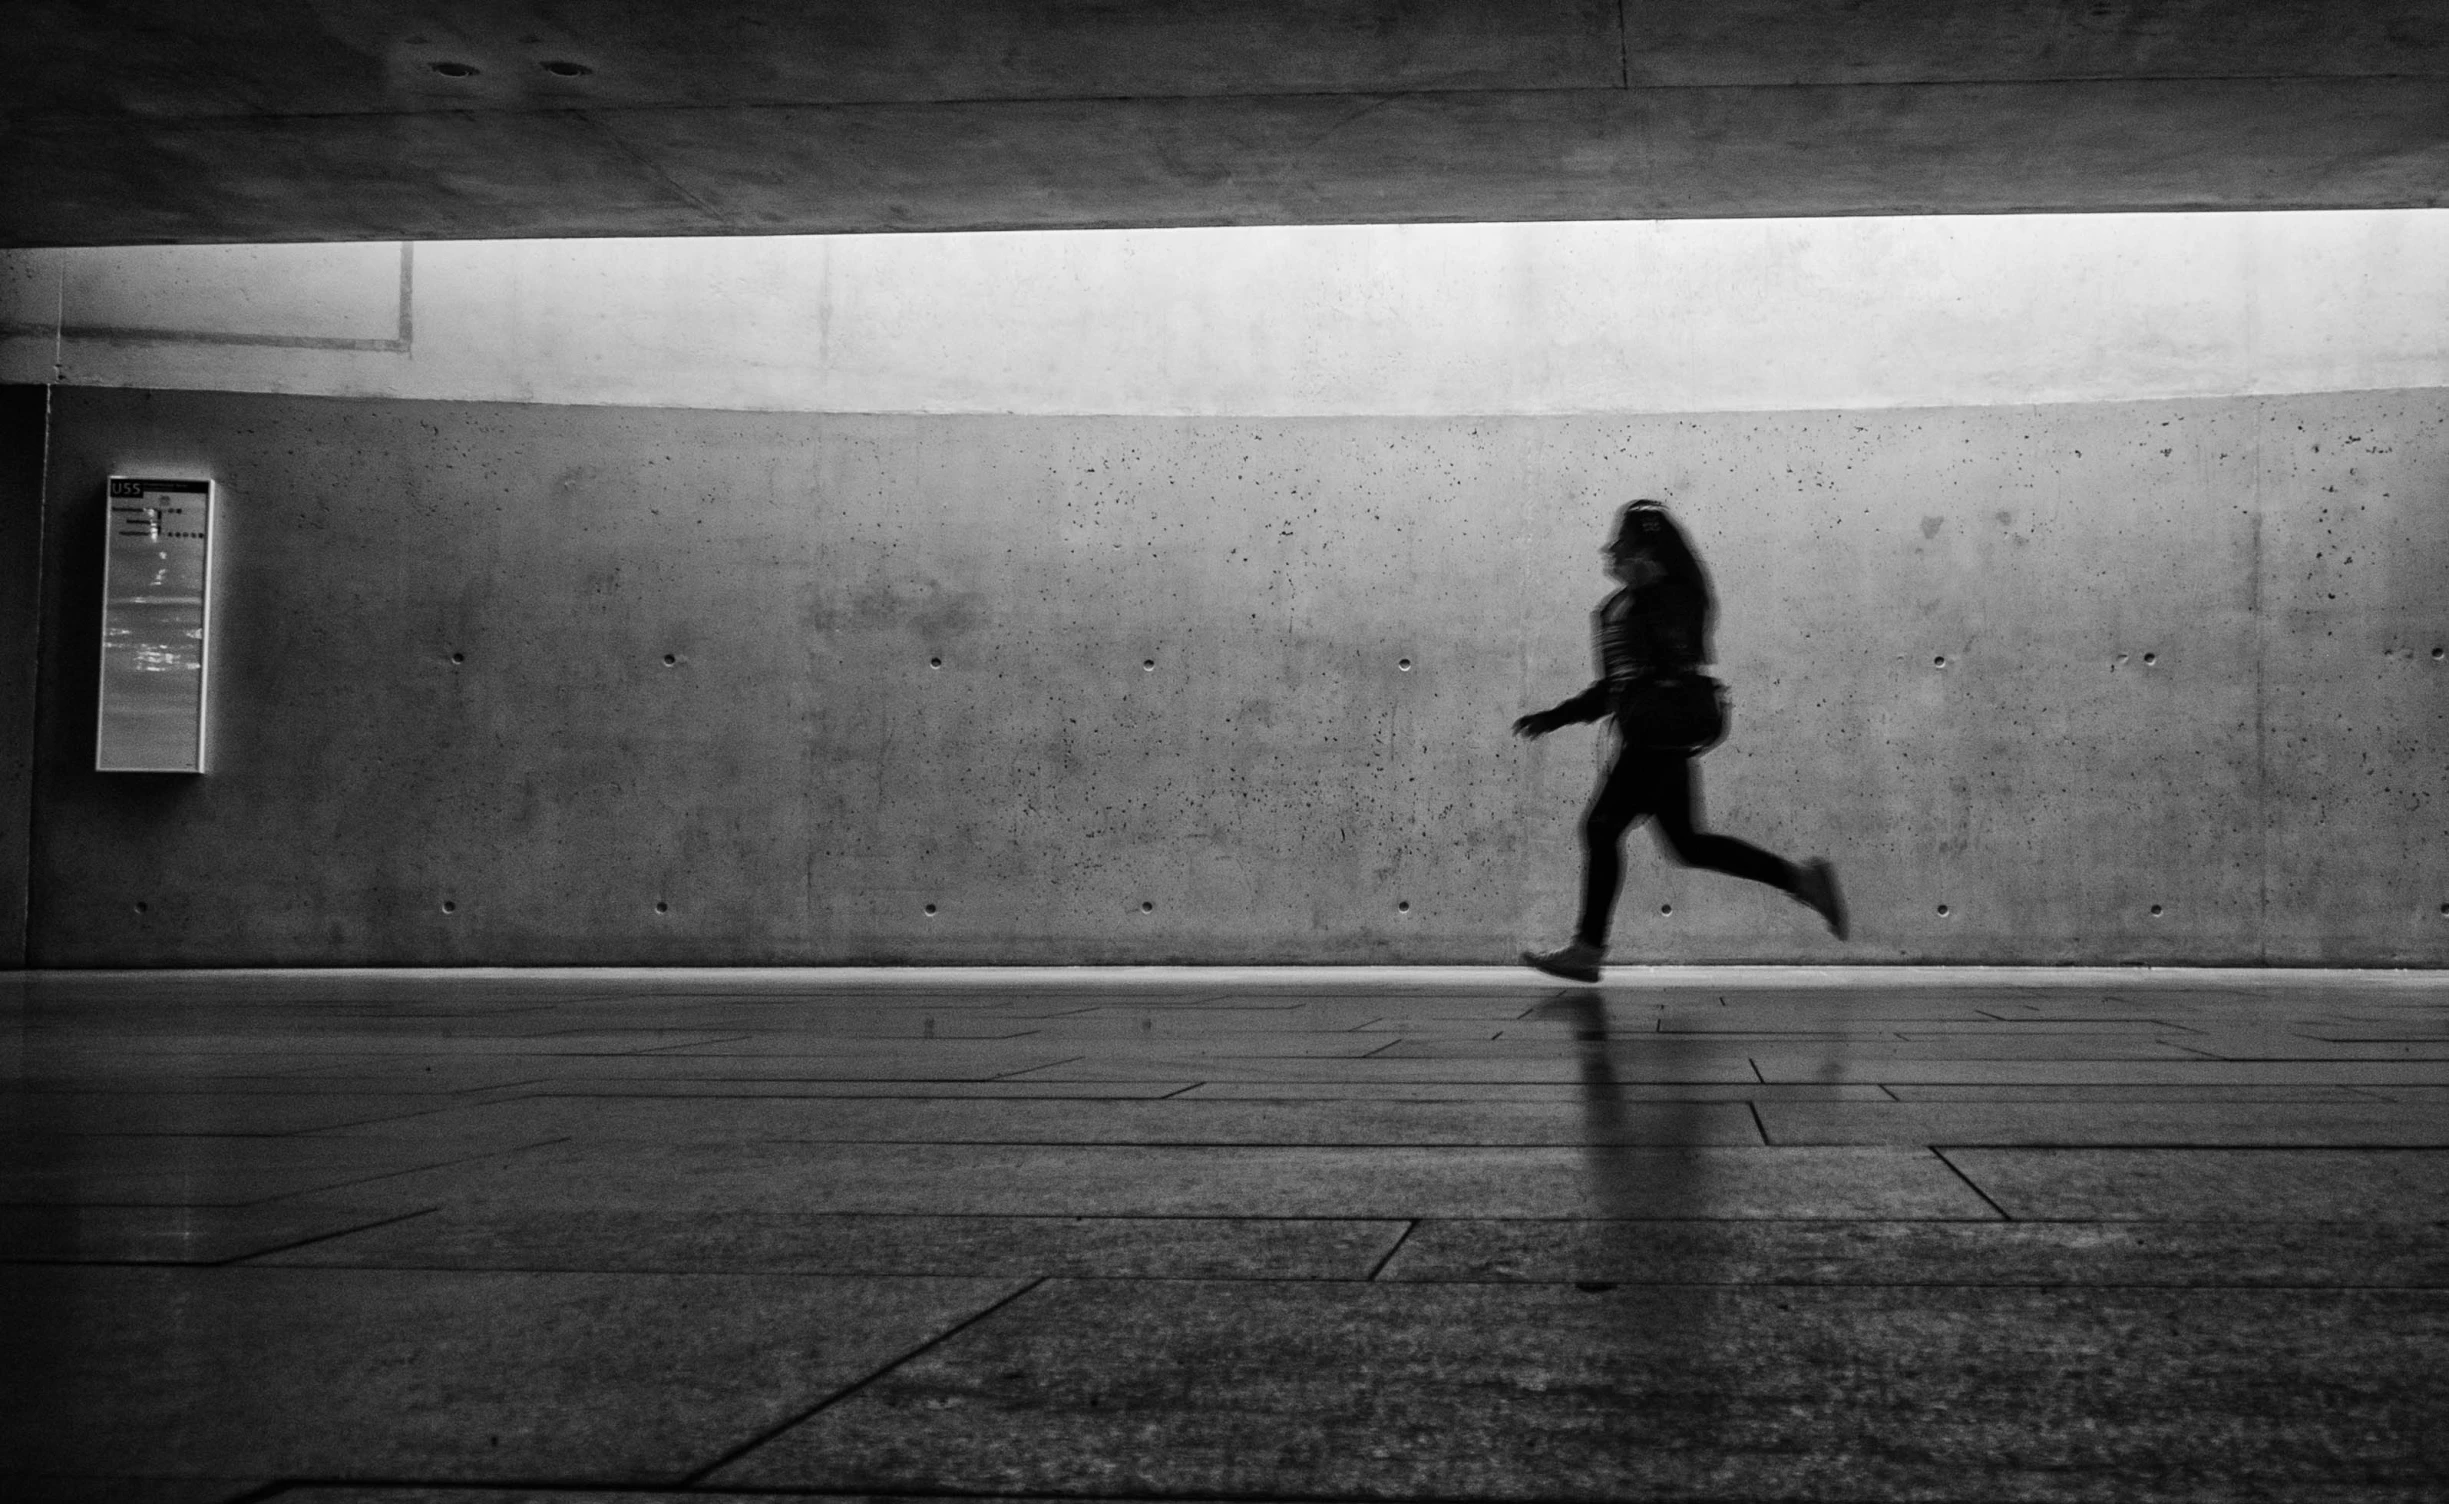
(153, 121)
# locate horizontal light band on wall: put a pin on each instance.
(1397, 320)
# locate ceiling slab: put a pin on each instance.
(142, 121)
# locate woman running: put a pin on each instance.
(1652, 640)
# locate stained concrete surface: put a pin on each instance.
(147, 122)
(809, 1290)
(2122, 681)
(1549, 1391)
(408, 1373)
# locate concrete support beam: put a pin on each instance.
(24, 428)
(331, 122)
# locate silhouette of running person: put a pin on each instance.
(1652, 635)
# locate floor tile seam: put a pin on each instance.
(48, 1262)
(420, 1169)
(483, 1214)
(450, 1212)
(2333, 1060)
(1424, 1219)
(325, 1237)
(318, 1136)
(1027, 1070)
(269, 1135)
(754, 981)
(1635, 1282)
(659, 1051)
(1663, 1145)
(860, 1081)
(818, 1096)
(446, 1488)
(1561, 1079)
(321, 1188)
(1373, 1280)
(1630, 1282)
(231, 1272)
(1970, 1184)
(1433, 1219)
(2204, 1148)
(149, 1206)
(1378, 1269)
(2123, 1146)
(450, 1488)
(698, 1476)
(405, 1117)
(900, 1275)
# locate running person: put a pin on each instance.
(1655, 628)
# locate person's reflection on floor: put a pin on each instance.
(1649, 1259)
(1652, 644)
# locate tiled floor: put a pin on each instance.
(1736, 1235)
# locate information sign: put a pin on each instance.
(156, 626)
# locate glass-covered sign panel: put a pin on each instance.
(156, 621)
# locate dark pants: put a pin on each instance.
(1664, 786)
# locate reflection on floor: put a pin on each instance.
(1373, 1235)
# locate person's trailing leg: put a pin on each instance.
(1677, 807)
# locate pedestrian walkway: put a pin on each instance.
(1731, 1234)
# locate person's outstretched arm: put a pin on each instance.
(1590, 705)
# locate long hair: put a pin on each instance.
(1645, 524)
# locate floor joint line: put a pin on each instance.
(1941, 1155)
(693, 1479)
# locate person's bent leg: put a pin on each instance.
(1679, 831)
(1677, 808)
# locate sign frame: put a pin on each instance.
(152, 697)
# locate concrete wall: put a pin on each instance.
(2189, 661)
(2069, 568)
(1354, 320)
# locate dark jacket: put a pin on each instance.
(1655, 632)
